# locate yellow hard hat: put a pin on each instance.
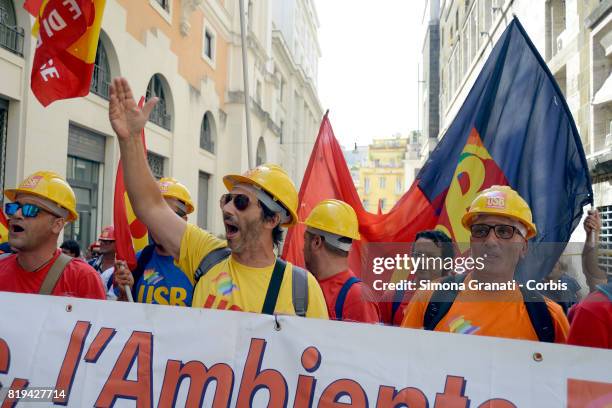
(273, 180)
(504, 201)
(336, 217)
(49, 185)
(172, 188)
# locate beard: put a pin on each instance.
(249, 236)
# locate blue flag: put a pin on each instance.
(515, 129)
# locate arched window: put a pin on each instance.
(101, 74)
(161, 114)
(7, 13)
(11, 36)
(207, 133)
(261, 152)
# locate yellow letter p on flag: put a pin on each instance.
(68, 33)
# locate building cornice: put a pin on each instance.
(279, 42)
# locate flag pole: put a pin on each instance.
(593, 236)
(245, 76)
(128, 292)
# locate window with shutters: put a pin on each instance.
(261, 152)
(11, 36)
(165, 4)
(203, 181)
(100, 80)
(605, 239)
(207, 133)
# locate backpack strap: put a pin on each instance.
(299, 289)
(299, 278)
(211, 259)
(538, 312)
(342, 295)
(606, 290)
(54, 274)
(143, 260)
(274, 287)
(440, 303)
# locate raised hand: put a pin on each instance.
(126, 118)
(592, 222)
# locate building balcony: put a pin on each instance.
(600, 163)
(160, 117)
(100, 83)
(11, 38)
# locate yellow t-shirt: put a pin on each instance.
(230, 285)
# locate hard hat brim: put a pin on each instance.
(468, 218)
(231, 180)
(188, 206)
(356, 237)
(11, 194)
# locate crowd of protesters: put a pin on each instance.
(187, 266)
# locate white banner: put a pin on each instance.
(89, 353)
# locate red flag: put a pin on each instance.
(68, 33)
(327, 176)
(32, 7)
(131, 234)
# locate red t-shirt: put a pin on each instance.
(356, 308)
(78, 279)
(592, 322)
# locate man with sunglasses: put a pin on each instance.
(259, 203)
(500, 223)
(39, 208)
(158, 279)
(331, 228)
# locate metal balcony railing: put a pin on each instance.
(160, 117)
(100, 82)
(11, 38)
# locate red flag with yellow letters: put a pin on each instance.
(68, 32)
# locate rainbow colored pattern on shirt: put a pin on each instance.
(225, 286)
(152, 277)
(462, 326)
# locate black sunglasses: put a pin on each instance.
(27, 210)
(241, 201)
(502, 231)
(180, 213)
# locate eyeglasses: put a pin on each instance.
(27, 210)
(180, 213)
(417, 254)
(241, 201)
(502, 231)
